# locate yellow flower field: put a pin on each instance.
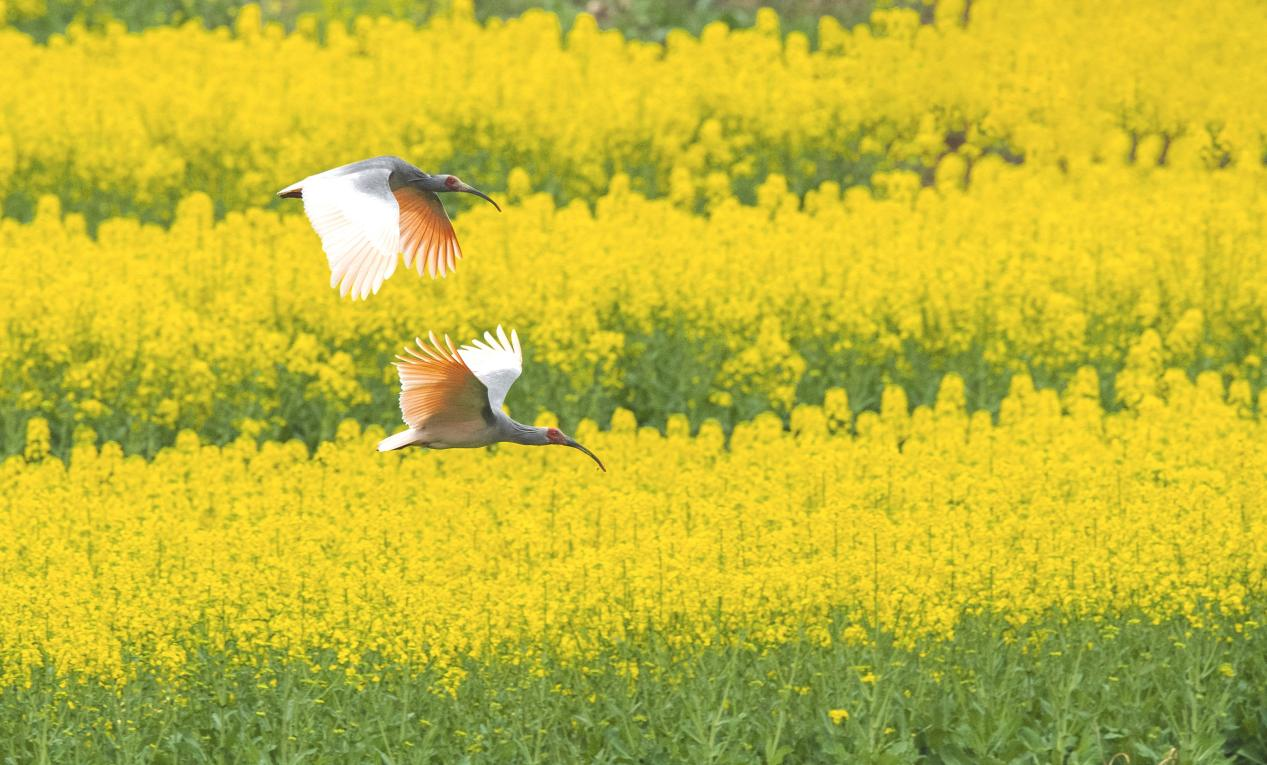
(914, 522)
(113, 122)
(926, 357)
(213, 325)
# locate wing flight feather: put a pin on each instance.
(437, 386)
(356, 216)
(427, 238)
(496, 361)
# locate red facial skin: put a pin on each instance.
(556, 436)
(450, 182)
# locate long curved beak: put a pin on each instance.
(472, 190)
(570, 442)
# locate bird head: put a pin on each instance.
(453, 183)
(559, 438)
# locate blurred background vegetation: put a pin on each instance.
(645, 19)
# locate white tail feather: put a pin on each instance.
(398, 441)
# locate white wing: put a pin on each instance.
(358, 219)
(496, 362)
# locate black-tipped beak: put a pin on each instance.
(472, 190)
(570, 442)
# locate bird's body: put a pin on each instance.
(369, 213)
(499, 428)
(452, 398)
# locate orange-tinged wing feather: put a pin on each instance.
(427, 239)
(436, 386)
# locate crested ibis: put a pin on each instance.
(452, 398)
(368, 212)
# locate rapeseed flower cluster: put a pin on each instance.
(229, 326)
(115, 122)
(926, 358)
(912, 523)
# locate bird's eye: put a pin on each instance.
(451, 182)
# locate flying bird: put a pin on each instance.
(368, 212)
(452, 398)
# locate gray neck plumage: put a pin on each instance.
(428, 183)
(518, 433)
(405, 175)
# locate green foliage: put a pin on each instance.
(645, 19)
(1061, 690)
(666, 373)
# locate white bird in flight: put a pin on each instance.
(368, 212)
(453, 398)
